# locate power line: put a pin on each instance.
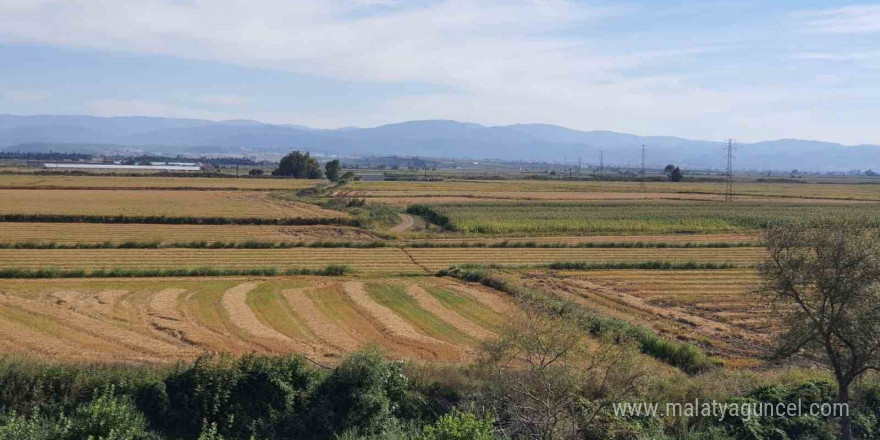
(642, 172)
(728, 187)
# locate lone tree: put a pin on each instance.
(299, 166)
(673, 172)
(824, 282)
(331, 170)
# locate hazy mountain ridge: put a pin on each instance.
(436, 138)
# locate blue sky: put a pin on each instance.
(712, 69)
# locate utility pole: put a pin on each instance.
(643, 168)
(602, 163)
(728, 187)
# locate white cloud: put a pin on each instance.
(844, 20)
(500, 61)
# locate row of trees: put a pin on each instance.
(303, 166)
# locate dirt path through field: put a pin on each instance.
(406, 222)
(323, 328)
(432, 305)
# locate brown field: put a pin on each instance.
(167, 320)
(156, 203)
(70, 233)
(147, 182)
(379, 260)
(711, 308)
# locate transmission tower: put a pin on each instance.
(728, 187)
(642, 172)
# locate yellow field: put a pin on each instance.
(711, 308)
(147, 182)
(175, 319)
(379, 260)
(156, 203)
(462, 191)
(70, 233)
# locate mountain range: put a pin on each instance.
(432, 138)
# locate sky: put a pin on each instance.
(710, 69)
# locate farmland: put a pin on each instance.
(672, 259)
(635, 218)
(92, 233)
(379, 260)
(150, 182)
(555, 190)
(714, 309)
(166, 320)
(156, 203)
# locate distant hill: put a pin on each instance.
(434, 138)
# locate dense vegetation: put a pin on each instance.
(368, 397)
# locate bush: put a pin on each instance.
(459, 426)
(109, 417)
(255, 172)
(362, 393)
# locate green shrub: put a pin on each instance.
(362, 393)
(459, 425)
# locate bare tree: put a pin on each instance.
(824, 282)
(549, 380)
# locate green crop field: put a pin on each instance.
(637, 218)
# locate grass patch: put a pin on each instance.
(272, 310)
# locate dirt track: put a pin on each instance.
(406, 222)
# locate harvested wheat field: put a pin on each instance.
(151, 182)
(379, 260)
(71, 233)
(230, 204)
(710, 308)
(175, 319)
(546, 189)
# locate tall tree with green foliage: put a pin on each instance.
(299, 166)
(331, 170)
(826, 280)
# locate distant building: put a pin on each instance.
(372, 177)
(100, 166)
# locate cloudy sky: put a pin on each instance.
(708, 69)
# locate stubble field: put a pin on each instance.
(391, 297)
(166, 320)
